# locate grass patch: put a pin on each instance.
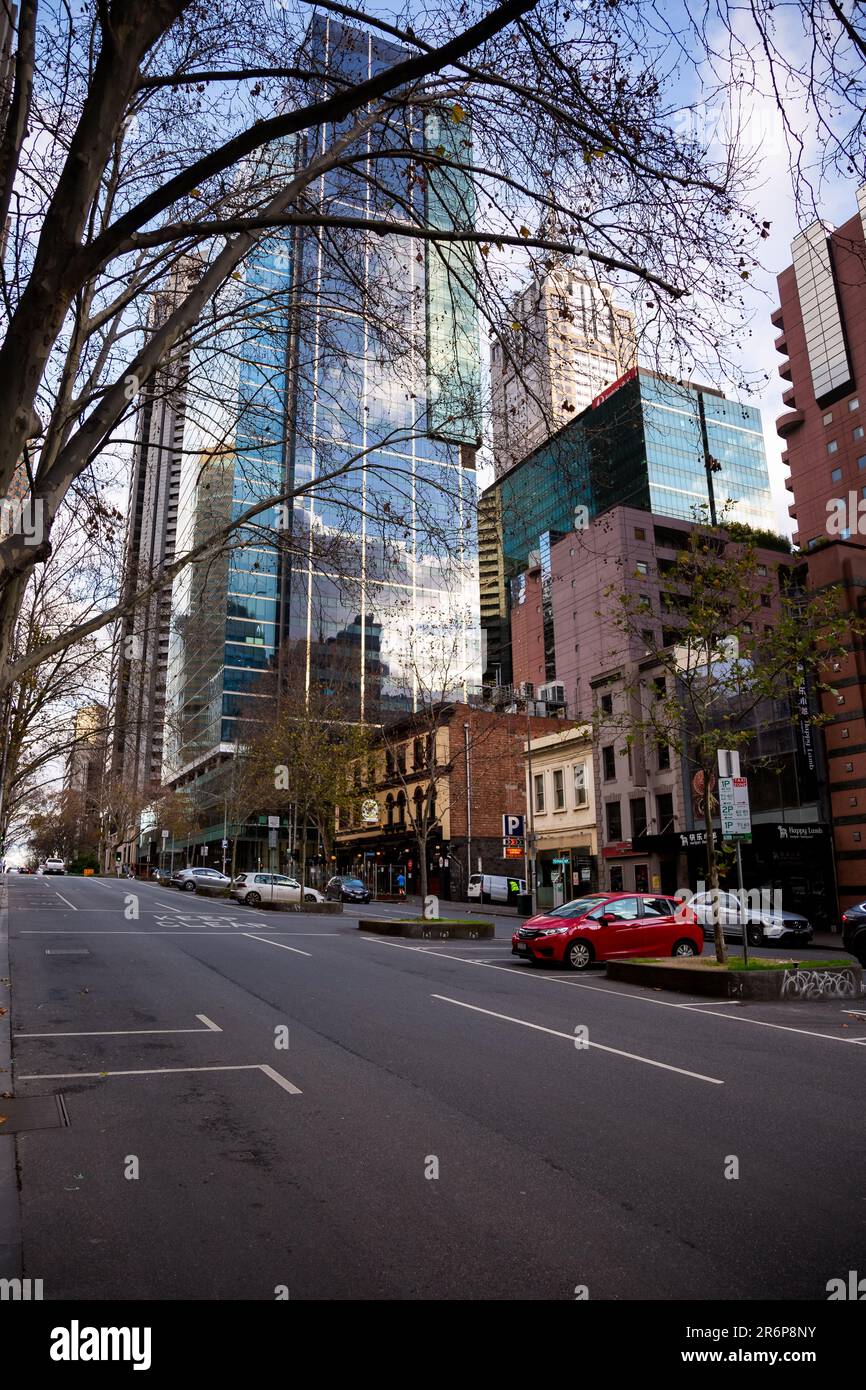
(737, 963)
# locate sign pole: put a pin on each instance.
(742, 902)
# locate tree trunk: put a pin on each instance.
(713, 873)
(422, 866)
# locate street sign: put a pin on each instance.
(512, 827)
(225, 844)
(565, 860)
(273, 822)
(165, 834)
(513, 847)
(272, 839)
(204, 851)
(734, 808)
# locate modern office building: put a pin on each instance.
(350, 381)
(822, 333)
(669, 448)
(85, 771)
(569, 341)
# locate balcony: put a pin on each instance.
(781, 344)
(787, 423)
(776, 318)
(789, 486)
(788, 398)
(785, 371)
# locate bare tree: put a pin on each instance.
(166, 144)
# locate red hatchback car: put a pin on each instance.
(607, 926)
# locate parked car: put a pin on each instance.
(607, 926)
(54, 866)
(189, 879)
(13, 869)
(255, 888)
(495, 888)
(765, 927)
(343, 889)
(854, 931)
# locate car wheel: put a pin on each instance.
(309, 898)
(253, 899)
(578, 955)
(189, 886)
(684, 948)
(756, 936)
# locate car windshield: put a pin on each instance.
(352, 883)
(578, 907)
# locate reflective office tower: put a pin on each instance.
(350, 380)
(571, 343)
(670, 448)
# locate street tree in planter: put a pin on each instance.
(737, 636)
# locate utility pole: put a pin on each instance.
(529, 851)
(468, 807)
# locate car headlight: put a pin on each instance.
(556, 931)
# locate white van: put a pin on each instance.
(495, 888)
(54, 866)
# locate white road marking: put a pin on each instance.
(600, 1047)
(165, 1071)
(66, 900)
(128, 1032)
(620, 993)
(277, 943)
(280, 1080)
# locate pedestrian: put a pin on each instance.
(401, 884)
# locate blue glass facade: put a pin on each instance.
(349, 375)
(664, 447)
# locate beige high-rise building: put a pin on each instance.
(573, 342)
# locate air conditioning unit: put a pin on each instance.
(527, 690)
(553, 695)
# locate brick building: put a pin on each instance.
(467, 833)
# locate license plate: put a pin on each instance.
(524, 950)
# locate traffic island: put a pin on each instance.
(429, 929)
(771, 979)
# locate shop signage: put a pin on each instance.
(370, 811)
(801, 832)
(622, 847)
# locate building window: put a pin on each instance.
(828, 418)
(857, 835)
(389, 809)
(836, 475)
(613, 812)
(401, 809)
(852, 801)
(607, 704)
(616, 883)
(846, 733)
(858, 432)
(660, 687)
(849, 767)
(608, 763)
(581, 795)
(765, 600)
(861, 462)
(833, 446)
(558, 790)
(539, 791)
(639, 533)
(664, 755)
(840, 699)
(643, 568)
(854, 404)
(637, 811)
(762, 571)
(665, 813)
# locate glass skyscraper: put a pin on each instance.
(348, 378)
(671, 448)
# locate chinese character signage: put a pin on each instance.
(734, 808)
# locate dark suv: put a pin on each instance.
(347, 890)
(854, 931)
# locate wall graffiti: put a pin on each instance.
(822, 984)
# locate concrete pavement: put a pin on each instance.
(432, 1130)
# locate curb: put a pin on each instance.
(10, 1211)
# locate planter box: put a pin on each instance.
(844, 981)
(428, 931)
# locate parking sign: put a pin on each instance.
(512, 827)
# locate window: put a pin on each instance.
(665, 813)
(539, 791)
(828, 418)
(836, 475)
(637, 811)
(858, 432)
(660, 687)
(861, 462)
(616, 883)
(625, 909)
(401, 809)
(765, 600)
(833, 446)
(762, 571)
(558, 790)
(639, 533)
(608, 763)
(643, 568)
(664, 755)
(581, 794)
(854, 404)
(613, 812)
(607, 704)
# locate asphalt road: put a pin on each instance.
(312, 1167)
